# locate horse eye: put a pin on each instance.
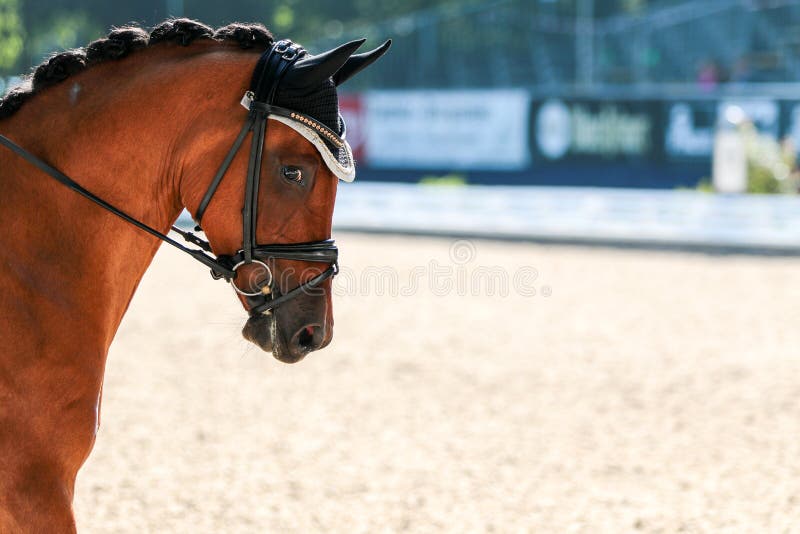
(293, 174)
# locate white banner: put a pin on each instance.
(448, 130)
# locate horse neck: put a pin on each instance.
(121, 130)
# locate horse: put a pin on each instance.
(139, 126)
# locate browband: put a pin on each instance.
(319, 135)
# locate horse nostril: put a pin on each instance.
(306, 337)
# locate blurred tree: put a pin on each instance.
(11, 34)
(308, 21)
(51, 25)
(633, 6)
(62, 30)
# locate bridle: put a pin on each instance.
(267, 76)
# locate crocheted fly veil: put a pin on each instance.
(310, 89)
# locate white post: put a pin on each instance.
(729, 171)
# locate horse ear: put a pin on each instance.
(359, 62)
(311, 71)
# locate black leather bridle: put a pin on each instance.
(268, 73)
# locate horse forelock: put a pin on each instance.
(121, 42)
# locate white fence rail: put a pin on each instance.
(668, 218)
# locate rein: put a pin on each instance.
(268, 73)
(199, 255)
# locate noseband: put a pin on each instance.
(268, 73)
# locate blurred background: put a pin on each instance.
(635, 94)
(490, 372)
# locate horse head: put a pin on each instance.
(267, 211)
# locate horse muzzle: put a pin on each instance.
(290, 332)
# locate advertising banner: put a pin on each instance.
(510, 137)
(352, 110)
(763, 113)
(691, 124)
(689, 133)
(448, 130)
(790, 119)
(594, 130)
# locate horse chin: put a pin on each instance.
(262, 331)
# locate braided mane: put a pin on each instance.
(123, 41)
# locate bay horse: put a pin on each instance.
(138, 127)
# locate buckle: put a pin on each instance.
(288, 50)
(247, 100)
(291, 54)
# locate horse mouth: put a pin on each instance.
(262, 331)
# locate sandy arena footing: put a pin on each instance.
(636, 391)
